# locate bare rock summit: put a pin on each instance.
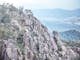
(23, 37)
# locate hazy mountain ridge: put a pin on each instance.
(57, 13)
(65, 21)
(70, 35)
(61, 19)
(71, 43)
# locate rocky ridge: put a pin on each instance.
(23, 37)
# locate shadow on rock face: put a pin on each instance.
(3, 53)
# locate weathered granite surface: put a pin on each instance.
(30, 40)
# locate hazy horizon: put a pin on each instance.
(45, 4)
(43, 10)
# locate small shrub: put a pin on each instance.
(5, 19)
(6, 33)
(20, 42)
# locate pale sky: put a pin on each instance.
(45, 4)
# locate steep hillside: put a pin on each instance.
(23, 37)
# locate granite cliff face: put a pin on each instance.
(23, 37)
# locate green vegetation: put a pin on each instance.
(21, 47)
(5, 32)
(5, 19)
(20, 42)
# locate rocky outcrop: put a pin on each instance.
(26, 38)
(8, 51)
(76, 49)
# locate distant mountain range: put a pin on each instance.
(57, 13)
(59, 19)
(67, 22)
(70, 35)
